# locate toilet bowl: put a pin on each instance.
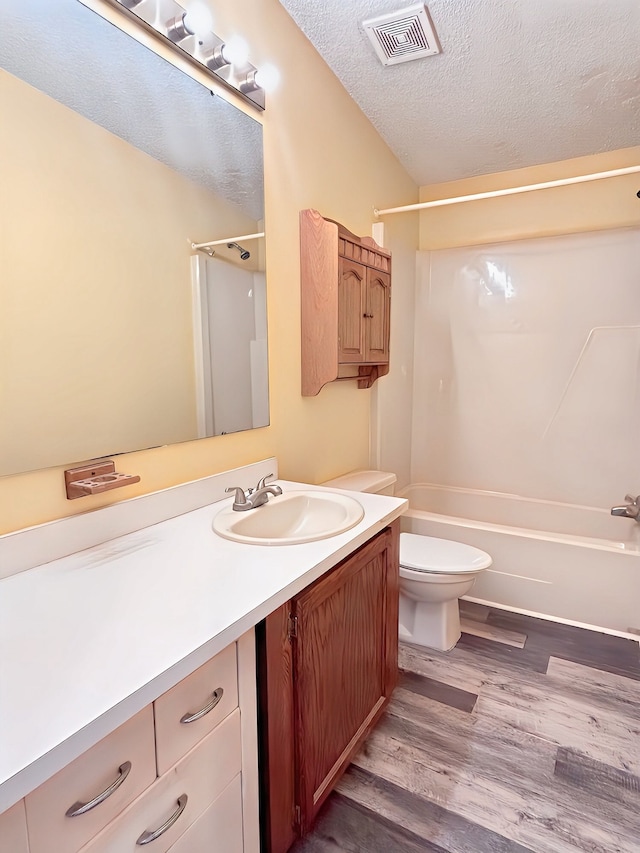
(434, 573)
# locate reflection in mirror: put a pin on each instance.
(114, 334)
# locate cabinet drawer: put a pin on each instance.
(214, 685)
(201, 775)
(13, 830)
(93, 773)
(219, 829)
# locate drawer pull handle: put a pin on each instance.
(149, 836)
(82, 808)
(198, 715)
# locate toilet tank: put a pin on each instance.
(375, 482)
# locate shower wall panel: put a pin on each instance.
(527, 367)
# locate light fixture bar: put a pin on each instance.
(204, 50)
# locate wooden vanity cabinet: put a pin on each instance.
(327, 665)
(345, 305)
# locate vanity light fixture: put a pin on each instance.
(198, 19)
(232, 52)
(177, 30)
(188, 31)
(266, 78)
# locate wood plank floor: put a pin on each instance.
(524, 739)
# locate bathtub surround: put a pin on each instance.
(444, 770)
(526, 370)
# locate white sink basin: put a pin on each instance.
(290, 519)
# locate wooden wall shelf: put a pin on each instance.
(345, 305)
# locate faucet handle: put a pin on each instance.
(262, 482)
(633, 500)
(240, 498)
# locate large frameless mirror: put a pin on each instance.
(115, 334)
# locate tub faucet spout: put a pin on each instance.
(630, 509)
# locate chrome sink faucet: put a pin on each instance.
(253, 498)
(630, 510)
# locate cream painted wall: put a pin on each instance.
(321, 152)
(609, 203)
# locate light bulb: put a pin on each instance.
(198, 19)
(236, 51)
(267, 77)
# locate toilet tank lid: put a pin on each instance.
(363, 481)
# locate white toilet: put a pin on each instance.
(434, 573)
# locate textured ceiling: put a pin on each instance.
(76, 57)
(518, 82)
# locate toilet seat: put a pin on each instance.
(431, 555)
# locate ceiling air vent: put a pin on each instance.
(403, 35)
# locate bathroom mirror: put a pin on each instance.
(115, 335)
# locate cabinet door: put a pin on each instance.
(219, 828)
(345, 665)
(86, 795)
(194, 707)
(377, 316)
(351, 304)
(13, 830)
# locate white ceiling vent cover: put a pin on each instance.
(402, 36)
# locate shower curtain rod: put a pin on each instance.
(242, 237)
(562, 182)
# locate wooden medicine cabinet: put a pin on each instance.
(345, 305)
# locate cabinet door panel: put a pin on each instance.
(175, 738)
(92, 773)
(219, 828)
(377, 310)
(325, 677)
(13, 830)
(340, 666)
(351, 283)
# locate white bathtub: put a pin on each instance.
(574, 563)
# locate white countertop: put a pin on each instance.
(89, 639)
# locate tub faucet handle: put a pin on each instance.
(633, 500)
